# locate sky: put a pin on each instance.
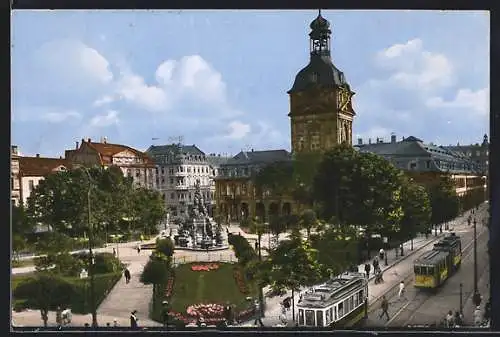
(218, 79)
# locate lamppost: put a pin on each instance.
(477, 296)
(91, 255)
(461, 302)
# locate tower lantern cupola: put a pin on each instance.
(320, 36)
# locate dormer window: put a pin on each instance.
(314, 77)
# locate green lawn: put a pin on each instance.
(215, 286)
(23, 263)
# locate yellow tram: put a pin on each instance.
(436, 266)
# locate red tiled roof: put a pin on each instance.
(39, 167)
(107, 151)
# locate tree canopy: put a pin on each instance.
(360, 189)
(60, 200)
(416, 209)
(292, 264)
(444, 202)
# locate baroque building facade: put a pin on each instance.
(15, 182)
(179, 169)
(133, 163)
(237, 196)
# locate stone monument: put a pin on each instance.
(200, 231)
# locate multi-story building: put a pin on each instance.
(32, 170)
(15, 182)
(426, 162)
(132, 162)
(179, 169)
(478, 153)
(321, 112)
(321, 117)
(238, 198)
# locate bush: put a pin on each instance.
(104, 263)
(242, 249)
(55, 291)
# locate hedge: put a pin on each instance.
(242, 249)
(60, 291)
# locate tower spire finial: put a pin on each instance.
(319, 12)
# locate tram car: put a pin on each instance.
(339, 301)
(437, 265)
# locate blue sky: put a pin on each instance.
(219, 78)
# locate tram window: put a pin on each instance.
(328, 316)
(341, 310)
(356, 300)
(335, 313)
(346, 307)
(430, 270)
(310, 317)
(319, 318)
(331, 314)
(417, 270)
(351, 302)
(301, 317)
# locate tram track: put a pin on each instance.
(407, 313)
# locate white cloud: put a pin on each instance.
(106, 99)
(58, 117)
(133, 88)
(412, 66)
(110, 118)
(189, 79)
(238, 130)
(465, 98)
(74, 60)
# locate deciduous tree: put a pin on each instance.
(416, 209)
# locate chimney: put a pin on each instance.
(38, 155)
(76, 147)
(13, 149)
(105, 140)
(252, 150)
(88, 140)
(393, 138)
(60, 157)
(403, 138)
(369, 140)
(360, 141)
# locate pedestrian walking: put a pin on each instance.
(126, 273)
(478, 317)
(367, 269)
(381, 254)
(458, 319)
(133, 320)
(114, 252)
(138, 249)
(401, 293)
(487, 310)
(449, 319)
(59, 316)
(115, 323)
(258, 318)
(385, 307)
(375, 264)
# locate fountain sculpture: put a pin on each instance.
(200, 231)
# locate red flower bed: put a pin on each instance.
(240, 281)
(207, 311)
(205, 267)
(170, 287)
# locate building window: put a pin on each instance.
(172, 196)
(162, 180)
(413, 166)
(163, 196)
(162, 170)
(31, 185)
(129, 173)
(171, 170)
(11, 183)
(137, 173)
(171, 181)
(188, 169)
(428, 164)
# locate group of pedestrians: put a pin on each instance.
(377, 270)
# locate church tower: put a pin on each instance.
(321, 112)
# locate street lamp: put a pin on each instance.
(461, 301)
(91, 255)
(477, 296)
